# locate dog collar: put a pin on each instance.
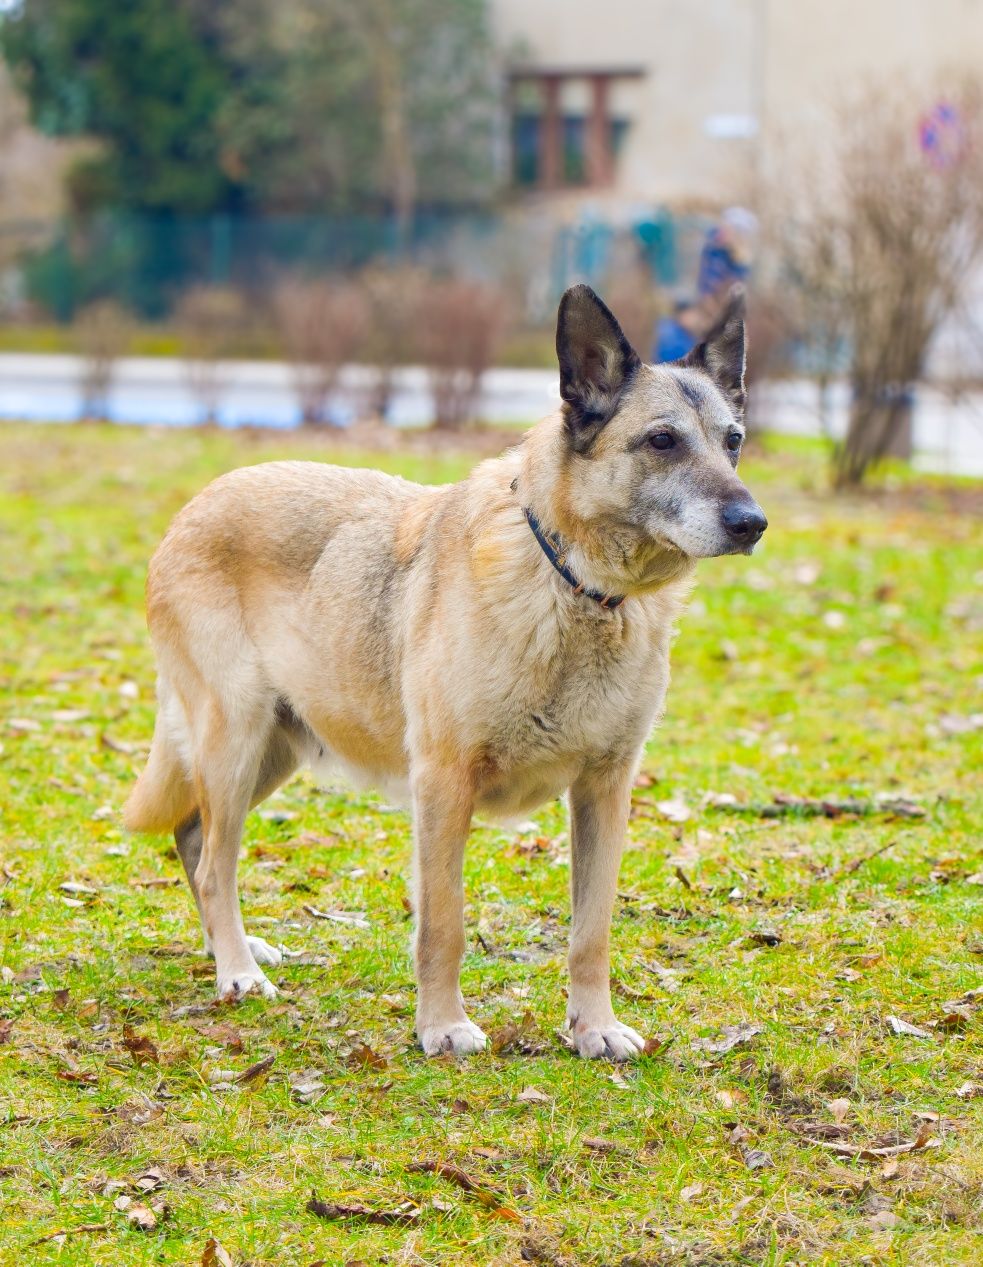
(556, 552)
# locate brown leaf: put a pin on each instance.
(765, 937)
(522, 1036)
(969, 1090)
(484, 1194)
(954, 1020)
(140, 1047)
(225, 1034)
(530, 1095)
(141, 1216)
(597, 1144)
(59, 999)
(402, 1215)
(259, 1070)
(756, 1159)
(691, 1192)
(839, 1109)
(76, 1075)
(653, 1046)
(362, 1056)
(6, 1029)
(215, 1255)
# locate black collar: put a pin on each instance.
(556, 552)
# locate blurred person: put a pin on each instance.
(725, 261)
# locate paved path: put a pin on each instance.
(948, 434)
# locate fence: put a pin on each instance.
(145, 261)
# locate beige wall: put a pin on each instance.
(781, 61)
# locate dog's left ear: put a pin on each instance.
(723, 352)
(596, 364)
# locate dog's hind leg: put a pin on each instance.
(442, 818)
(279, 762)
(230, 744)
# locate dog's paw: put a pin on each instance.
(460, 1038)
(609, 1040)
(266, 956)
(236, 985)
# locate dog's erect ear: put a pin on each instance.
(596, 363)
(723, 354)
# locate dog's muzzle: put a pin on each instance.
(744, 522)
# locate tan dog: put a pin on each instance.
(488, 644)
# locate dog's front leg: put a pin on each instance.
(442, 806)
(599, 807)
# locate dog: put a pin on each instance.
(486, 646)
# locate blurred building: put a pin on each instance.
(676, 102)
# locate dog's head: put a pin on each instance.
(654, 447)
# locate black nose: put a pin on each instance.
(744, 521)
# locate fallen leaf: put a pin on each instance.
(675, 810)
(76, 1075)
(149, 1180)
(522, 1036)
(140, 1047)
(215, 1255)
(969, 1090)
(839, 1109)
(483, 1193)
(530, 1095)
(899, 1026)
(141, 1216)
(756, 1159)
(362, 1056)
(765, 937)
(403, 1214)
(691, 1192)
(259, 1070)
(597, 1144)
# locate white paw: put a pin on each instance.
(460, 1038)
(235, 985)
(266, 956)
(608, 1039)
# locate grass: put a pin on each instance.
(842, 663)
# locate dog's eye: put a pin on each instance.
(662, 440)
(734, 441)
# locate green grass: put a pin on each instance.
(839, 663)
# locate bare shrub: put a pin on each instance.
(100, 335)
(211, 321)
(394, 297)
(461, 325)
(322, 325)
(880, 248)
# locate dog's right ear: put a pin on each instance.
(597, 363)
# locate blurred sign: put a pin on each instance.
(942, 135)
(731, 127)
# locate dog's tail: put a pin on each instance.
(163, 796)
